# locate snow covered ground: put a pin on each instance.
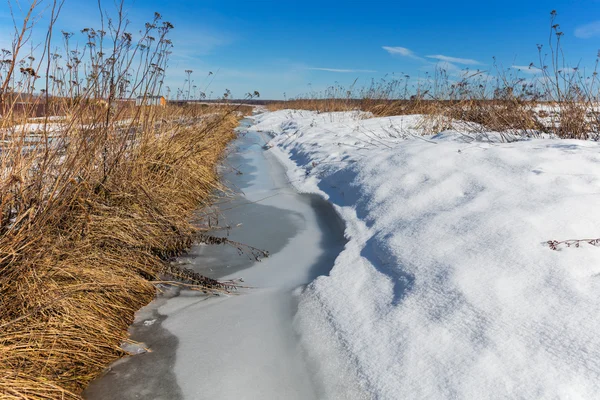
(447, 288)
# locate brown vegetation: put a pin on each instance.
(569, 118)
(93, 203)
(80, 249)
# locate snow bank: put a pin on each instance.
(447, 288)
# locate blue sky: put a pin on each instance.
(294, 47)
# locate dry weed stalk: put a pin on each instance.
(556, 244)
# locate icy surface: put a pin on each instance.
(244, 346)
(447, 288)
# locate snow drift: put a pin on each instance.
(447, 288)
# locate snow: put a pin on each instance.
(447, 288)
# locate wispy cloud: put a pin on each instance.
(455, 60)
(448, 67)
(588, 30)
(401, 51)
(528, 69)
(344, 71)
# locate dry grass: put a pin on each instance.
(573, 119)
(76, 264)
(93, 204)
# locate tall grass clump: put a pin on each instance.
(95, 194)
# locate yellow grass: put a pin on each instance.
(80, 246)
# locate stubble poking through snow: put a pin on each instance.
(446, 288)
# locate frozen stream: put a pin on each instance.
(241, 346)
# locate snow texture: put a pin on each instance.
(447, 288)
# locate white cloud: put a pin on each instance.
(342, 70)
(401, 51)
(528, 69)
(448, 66)
(465, 61)
(588, 30)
